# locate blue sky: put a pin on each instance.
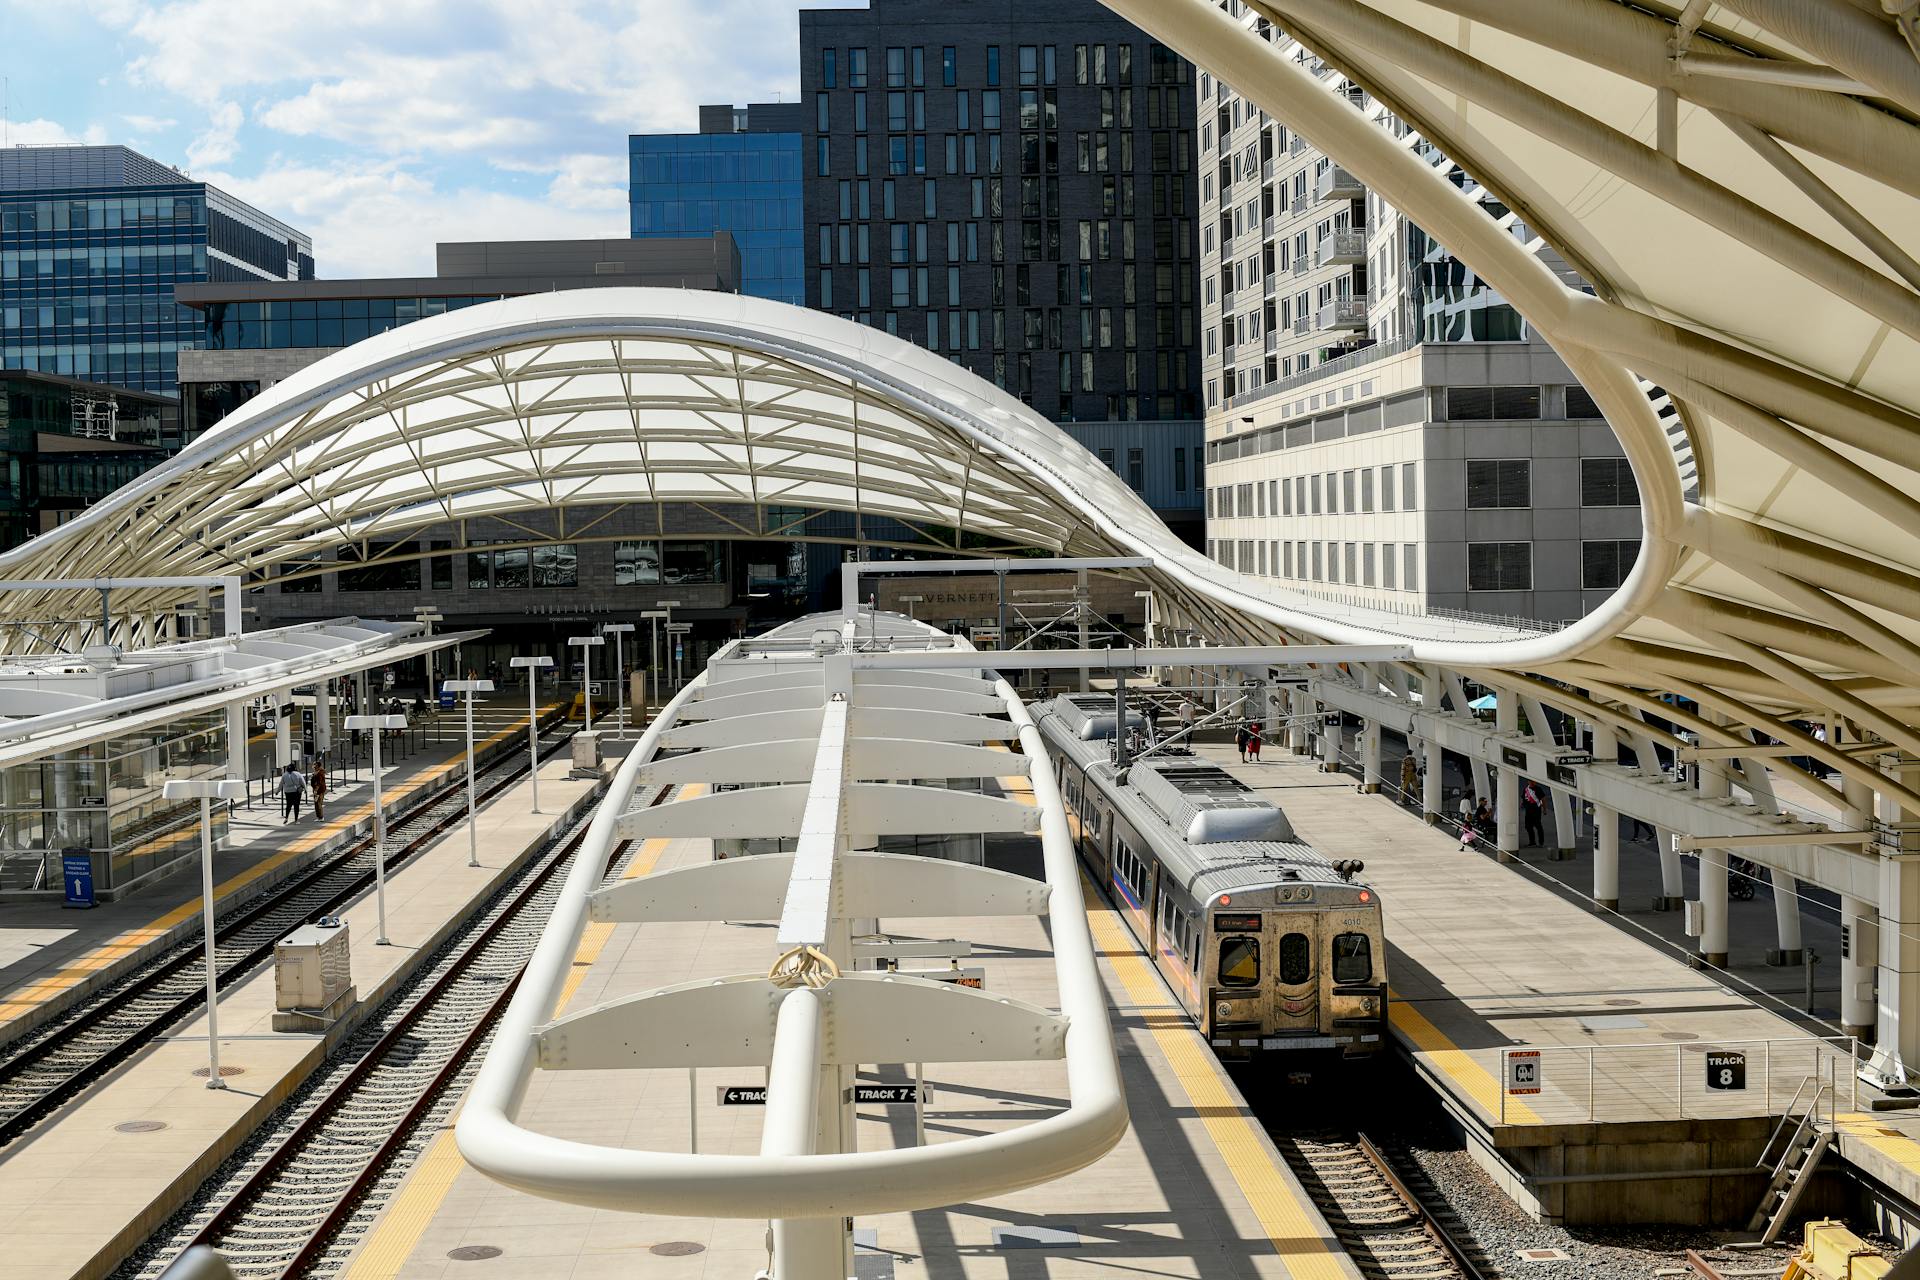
(380, 128)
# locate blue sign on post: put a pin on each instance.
(76, 870)
(446, 700)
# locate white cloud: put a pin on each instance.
(51, 133)
(220, 141)
(149, 124)
(385, 220)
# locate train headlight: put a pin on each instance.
(1223, 1010)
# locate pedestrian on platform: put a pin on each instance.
(319, 785)
(292, 786)
(1186, 714)
(1253, 743)
(1483, 821)
(1409, 777)
(1240, 738)
(1531, 803)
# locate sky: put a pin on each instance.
(381, 128)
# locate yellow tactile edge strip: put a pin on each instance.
(397, 1233)
(1295, 1230)
(31, 996)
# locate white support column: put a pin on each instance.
(1304, 726)
(323, 716)
(1566, 831)
(1506, 804)
(1370, 757)
(1897, 1035)
(1673, 885)
(1606, 829)
(1433, 782)
(1786, 918)
(236, 740)
(1276, 711)
(282, 739)
(1859, 925)
(1713, 784)
(1330, 729)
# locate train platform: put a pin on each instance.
(1617, 1110)
(1196, 1189)
(51, 956)
(81, 1192)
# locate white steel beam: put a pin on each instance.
(871, 809)
(866, 1017)
(1282, 655)
(872, 885)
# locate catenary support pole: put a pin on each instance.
(1606, 829)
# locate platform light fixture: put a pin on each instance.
(470, 687)
(619, 631)
(533, 666)
(587, 645)
(206, 791)
(376, 725)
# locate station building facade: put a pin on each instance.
(1381, 425)
(68, 443)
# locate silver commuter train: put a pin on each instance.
(1264, 942)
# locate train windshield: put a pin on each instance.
(1352, 958)
(1239, 962)
(1296, 959)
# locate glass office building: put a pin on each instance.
(740, 174)
(68, 443)
(93, 241)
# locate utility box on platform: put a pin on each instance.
(312, 976)
(586, 755)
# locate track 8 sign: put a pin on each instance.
(1727, 1070)
(1524, 1071)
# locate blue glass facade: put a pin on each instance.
(87, 271)
(285, 323)
(748, 184)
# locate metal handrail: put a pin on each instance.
(808, 1186)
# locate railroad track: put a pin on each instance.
(299, 1197)
(42, 1070)
(1391, 1230)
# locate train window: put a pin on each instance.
(1352, 958)
(1239, 961)
(1296, 959)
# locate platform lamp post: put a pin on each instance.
(470, 687)
(675, 630)
(911, 601)
(206, 791)
(619, 631)
(668, 606)
(653, 617)
(533, 666)
(427, 615)
(376, 725)
(587, 645)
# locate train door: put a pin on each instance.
(1294, 942)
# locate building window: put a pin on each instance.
(1409, 487)
(822, 161)
(949, 66)
(856, 68)
(826, 69)
(1580, 403)
(1386, 487)
(1608, 482)
(1482, 404)
(1499, 482)
(1410, 566)
(1137, 470)
(1388, 564)
(1605, 564)
(1499, 566)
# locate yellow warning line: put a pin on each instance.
(1455, 1063)
(1295, 1230)
(1873, 1132)
(397, 1233)
(31, 996)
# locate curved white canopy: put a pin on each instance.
(1752, 245)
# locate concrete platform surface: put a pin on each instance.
(1194, 1190)
(51, 956)
(78, 1194)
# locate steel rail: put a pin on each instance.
(188, 957)
(344, 1207)
(1429, 1221)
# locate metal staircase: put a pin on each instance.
(1805, 1143)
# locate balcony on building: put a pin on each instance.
(1342, 248)
(1343, 314)
(1302, 265)
(1337, 184)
